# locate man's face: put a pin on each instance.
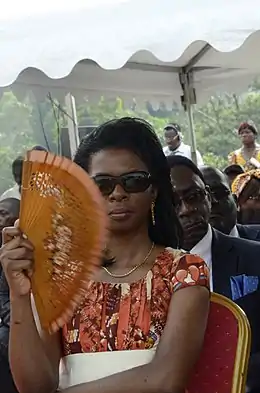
(192, 204)
(223, 215)
(6, 217)
(171, 137)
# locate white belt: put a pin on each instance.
(86, 367)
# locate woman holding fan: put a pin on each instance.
(133, 331)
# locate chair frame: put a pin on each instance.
(243, 345)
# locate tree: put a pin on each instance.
(15, 128)
(22, 125)
(25, 123)
(16, 134)
(215, 161)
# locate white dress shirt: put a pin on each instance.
(234, 232)
(203, 250)
(183, 150)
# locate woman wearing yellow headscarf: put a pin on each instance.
(246, 188)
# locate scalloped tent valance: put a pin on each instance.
(128, 48)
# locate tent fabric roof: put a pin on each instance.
(129, 47)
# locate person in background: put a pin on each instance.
(232, 171)
(15, 191)
(233, 262)
(39, 148)
(17, 170)
(9, 213)
(223, 216)
(175, 145)
(246, 187)
(193, 206)
(248, 156)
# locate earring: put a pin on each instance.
(153, 213)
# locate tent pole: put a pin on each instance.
(189, 95)
(188, 99)
(192, 134)
(72, 123)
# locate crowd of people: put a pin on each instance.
(177, 231)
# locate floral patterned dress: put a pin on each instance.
(132, 316)
(237, 157)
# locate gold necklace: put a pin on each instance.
(133, 269)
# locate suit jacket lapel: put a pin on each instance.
(224, 263)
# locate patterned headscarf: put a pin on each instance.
(248, 124)
(242, 180)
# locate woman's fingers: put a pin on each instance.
(9, 233)
(13, 238)
(15, 243)
(16, 257)
(18, 254)
(18, 265)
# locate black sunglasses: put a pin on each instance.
(132, 182)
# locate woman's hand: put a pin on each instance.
(16, 257)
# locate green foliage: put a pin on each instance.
(215, 161)
(22, 124)
(15, 129)
(16, 134)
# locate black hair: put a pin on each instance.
(174, 126)
(39, 148)
(139, 137)
(177, 160)
(233, 169)
(17, 169)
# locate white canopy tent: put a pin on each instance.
(148, 49)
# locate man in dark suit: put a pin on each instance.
(227, 257)
(7, 384)
(250, 232)
(223, 215)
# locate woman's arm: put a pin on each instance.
(34, 357)
(178, 351)
(232, 158)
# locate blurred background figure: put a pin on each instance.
(39, 148)
(17, 169)
(175, 145)
(248, 156)
(246, 187)
(223, 214)
(9, 213)
(232, 171)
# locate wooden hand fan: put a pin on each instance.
(62, 215)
